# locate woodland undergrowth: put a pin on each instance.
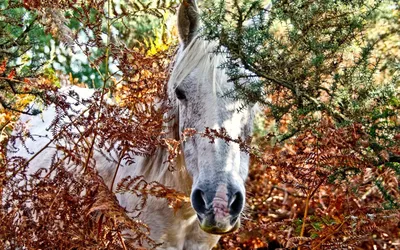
(321, 190)
(328, 187)
(67, 205)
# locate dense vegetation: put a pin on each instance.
(326, 163)
(326, 150)
(124, 49)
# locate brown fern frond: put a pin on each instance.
(141, 188)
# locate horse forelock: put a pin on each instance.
(200, 55)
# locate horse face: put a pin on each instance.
(218, 168)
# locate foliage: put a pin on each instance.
(310, 56)
(67, 205)
(71, 204)
(49, 39)
(327, 154)
(321, 191)
(70, 201)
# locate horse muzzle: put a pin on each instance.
(218, 210)
(211, 226)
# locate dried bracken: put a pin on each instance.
(67, 205)
(59, 207)
(321, 190)
(316, 185)
(140, 187)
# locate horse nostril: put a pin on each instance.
(236, 204)
(199, 202)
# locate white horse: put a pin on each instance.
(213, 174)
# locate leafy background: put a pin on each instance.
(325, 153)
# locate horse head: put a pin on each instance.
(218, 169)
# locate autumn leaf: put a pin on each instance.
(385, 155)
(11, 75)
(3, 66)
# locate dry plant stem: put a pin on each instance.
(55, 167)
(105, 79)
(14, 80)
(117, 168)
(93, 65)
(119, 160)
(54, 138)
(100, 224)
(54, 200)
(308, 199)
(81, 135)
(120, 237)
(5, 125)
(65, 156)
(90, 152)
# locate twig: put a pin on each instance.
(105, 79)
(117, 168)
(303, 226)
(54, 138)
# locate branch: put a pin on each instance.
(9, 107)
(291, 86)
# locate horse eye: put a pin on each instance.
(180, 94)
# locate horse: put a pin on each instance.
(213, 175)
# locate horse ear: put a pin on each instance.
(188, 21)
